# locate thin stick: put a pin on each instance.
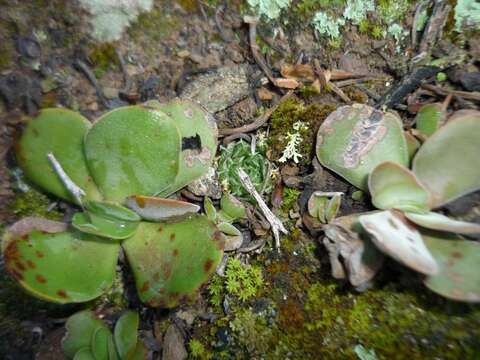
(72, 188)
(475, 96)
(276, 224)
(259, 121)
(252, 22)
(349, 82)
(93, 80)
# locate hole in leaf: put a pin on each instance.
(192, 143)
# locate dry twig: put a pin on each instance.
(259, 121)
(252, 22)
(475, 96)
(276, 224)
(93, 80)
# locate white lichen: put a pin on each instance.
(294, 140)
(109, 18)
(325, 24)
(398, 33)
(467, 13)
(356, 10)
(270, 9)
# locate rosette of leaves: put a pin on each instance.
(114, 170)
(231, 210)
(89, 338)
(239, 155)
(369, 149)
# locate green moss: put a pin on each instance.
(364, 26)
(198, 351)
(283, 120)
(113, 297)
(33, 203)
(104, 58)
(252, 333)
(154, 25)
(306, 92)
(7, 48)
(240, 281)
(381, 320)
(304, 9)
(356, 95)
(317, 317)
(390, 11)
(376, 32)
(290, 197)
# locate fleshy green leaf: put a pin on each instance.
(391, 234)
(140, 352)
(80, 330)
(458, 278)
(429, 119)
(412, 144)
(157, 209)
(198, 132)
(332, 208)
(99, 345)
(222, 216)
(133, 150)
(126, 334)
(233, 207)
(63, 267)
(317, 205)
(84, 354)
(393, 186)
(210, 210)
(112, 350)
(111, 210)
(353, 140)
(441, 222)
(61, 132)
(91, 223)
(171, 260)
(447, 163)
(229, 229)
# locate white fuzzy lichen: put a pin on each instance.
(356, 10)
(109, 18)
(294, 141)
(398, 33)
(327, 25)
(467, 13)
(269, 8)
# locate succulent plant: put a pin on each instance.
(429, 119)
(444, 168)
(231, 211)
(89, 338)
(354, 139)
(113, 170)
(239, 155)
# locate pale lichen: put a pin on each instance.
(327, 25)
(109, 18)
(356, 11)
(270, 9)
(294, 140)
(467, 13)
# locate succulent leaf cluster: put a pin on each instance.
(239, 155)
(89, 338)
(369, 149)
(115, 170)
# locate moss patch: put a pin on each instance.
(301, 313)
(283, 120)
(33, 203)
